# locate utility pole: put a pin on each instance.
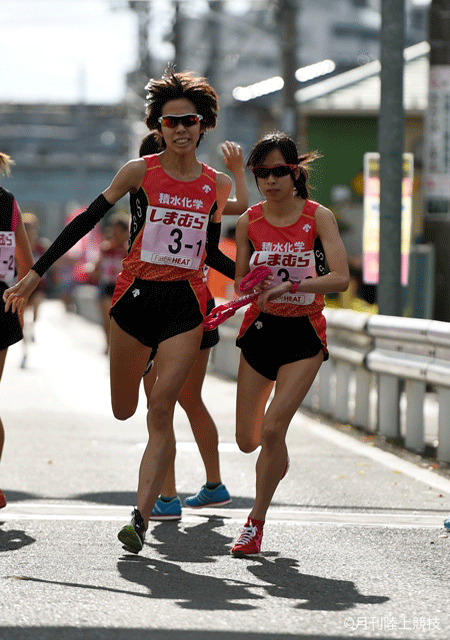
(390, 146)
(287, 15)
(177, 36)
(437, 155)
(214, 72)
(140, 76)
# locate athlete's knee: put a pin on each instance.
(246, 443)
(272, 435)
(123, 411)
(160, 414)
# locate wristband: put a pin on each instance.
(294, 287)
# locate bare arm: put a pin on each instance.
(223, 188)
(127, 180)
(234, 161)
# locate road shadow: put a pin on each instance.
(283, 580)
(164, 575)
(13, 539)
(276, 577)
(199, 543)
(169, 581)
(19, 496)
(279, 577)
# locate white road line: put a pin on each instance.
(19, 511)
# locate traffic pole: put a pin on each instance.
(390, 146)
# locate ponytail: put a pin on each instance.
(301, 190)
(5, 164)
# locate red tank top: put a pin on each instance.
(168, 225)
(295, 252)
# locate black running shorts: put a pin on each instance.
(273, 341)
(153, 311)
(10, 329)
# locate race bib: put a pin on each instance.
(174, 238)
(7, 256)
(285, 266)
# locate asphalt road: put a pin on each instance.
(354, 545)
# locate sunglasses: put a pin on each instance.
(278, 170)
(187, 120)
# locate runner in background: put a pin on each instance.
(15, 255)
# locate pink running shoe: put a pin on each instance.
(249, 542)
(2, 499)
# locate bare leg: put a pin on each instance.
(293, 383)
(3, 353)
(169, 488)
(173, 372)
(202, 424)
(128, 359)
(253, 391)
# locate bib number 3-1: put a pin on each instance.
(174, 238)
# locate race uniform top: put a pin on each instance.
(294, 252)
(169, 220)
(9, 217)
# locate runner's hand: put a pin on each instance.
(233, 157)
(16, 297)
(272, 294)
(262, 286)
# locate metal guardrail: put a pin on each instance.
(390, 359)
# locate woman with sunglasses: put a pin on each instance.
(160, 297)
(213, 493)
(282, 337)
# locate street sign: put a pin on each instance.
(371, 224)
